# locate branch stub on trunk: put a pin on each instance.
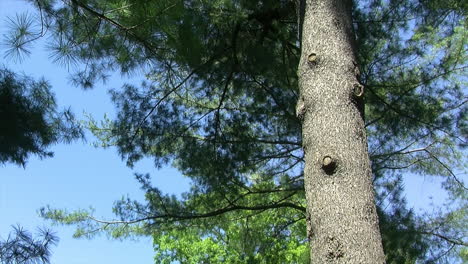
(329, 165)
(358, 90)
(312, 59)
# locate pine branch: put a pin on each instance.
(454, 241)
(179, 217)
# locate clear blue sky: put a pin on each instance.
(80, 175)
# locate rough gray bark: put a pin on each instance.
(343, 224)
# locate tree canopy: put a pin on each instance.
(31, 122)
(218, 103)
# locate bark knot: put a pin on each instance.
(301, 109)
(335, 249)
(356, 70)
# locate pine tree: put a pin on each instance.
(342, 219)
(22, 247)
(222, 82)
(31, 121)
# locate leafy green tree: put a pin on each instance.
(277, 236)
(219, 103)
(31, 121)
(22, 248)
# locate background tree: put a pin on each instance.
(219, 104)
(22, 248)
(31, 121)
(30, 124)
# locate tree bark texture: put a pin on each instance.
(342, 219)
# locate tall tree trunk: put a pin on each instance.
(343, 224)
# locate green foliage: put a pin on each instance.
(194, 248)
(30, 119)
(251, 236)
(21, 36)
(402, 241)
(447, 227)
(236, 238)
(218, 102)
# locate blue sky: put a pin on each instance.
(80, 175)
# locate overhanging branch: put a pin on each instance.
(178, 217)
(454, 241)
